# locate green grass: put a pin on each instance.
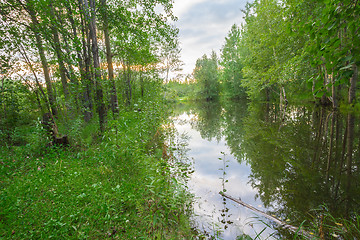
(119, 186)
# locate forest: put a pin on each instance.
(87, 148)
(83, 124)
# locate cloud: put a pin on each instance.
(182, 6)
(203, 26)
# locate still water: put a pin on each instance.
(285, 162)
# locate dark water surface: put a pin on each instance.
(286, 163)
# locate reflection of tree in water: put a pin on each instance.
(233, 127)
(209, 120)
(181, 108)
(309, 159)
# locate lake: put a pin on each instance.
(291, 162)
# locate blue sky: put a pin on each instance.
(203, 26)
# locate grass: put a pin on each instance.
(122, 186)
(324, 226)
(330, 227)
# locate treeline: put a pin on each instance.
(76, 58)
(291, 50)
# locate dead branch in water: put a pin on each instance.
(278, 221)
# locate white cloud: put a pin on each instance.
(181, 6)
(203, 26)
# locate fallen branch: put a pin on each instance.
(278, 221)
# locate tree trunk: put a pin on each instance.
(44, 63)
(334, 93)
(323, 99)
(38, 101)
(342, 159)
(84, 65)
(353, 81)
(96, 61)
(129, 83)
(141, 82)
(349, 154)
(59, 54)
(281, 223)
(330, 153)
(70, 73)
(28, 62)
(113, 95)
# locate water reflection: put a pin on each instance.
(285, 163)
(304, 161)
(217, 216)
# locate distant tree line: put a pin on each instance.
(292, 50)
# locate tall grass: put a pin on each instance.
(121, 185)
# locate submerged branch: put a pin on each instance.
(278, 221)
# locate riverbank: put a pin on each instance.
(121, 185)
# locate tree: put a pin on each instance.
(90, 12)
(334, 46)
(66, 37)
(57, 47)
(267, 47)
(231, 62)
(290, 45)
(206, 75)
(170, 59)
(35, 27)
(113, 96)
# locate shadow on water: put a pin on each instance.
(299, 160)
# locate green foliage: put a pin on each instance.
(298, 50)
(206, 75)
(57, 35)
(333, 40)
(268, 49)
(114, 176)
(15, 104)
(37, 139)
(180, 91)
(102, 191)
(231, 76)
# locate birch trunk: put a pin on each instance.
(95, 52)
(59, 54)
(353, 81)
(113, 94)
(44, 63)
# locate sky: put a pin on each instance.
(203, 26)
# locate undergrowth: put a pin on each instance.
(121, 185)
